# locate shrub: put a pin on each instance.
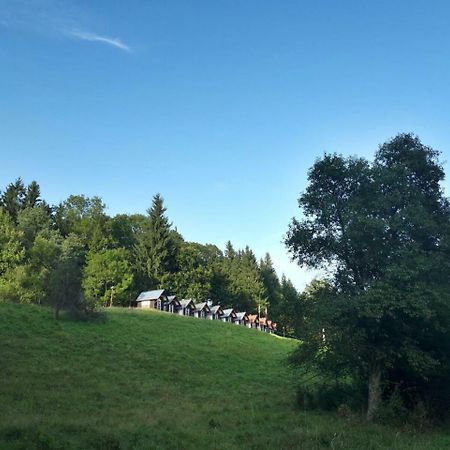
(329, 397)
(393, 411)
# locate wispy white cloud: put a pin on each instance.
(87, 36)
(53, 19)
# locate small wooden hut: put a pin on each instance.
(187, 307)
(228, 315)
(201, 310)
(253, 321)
(152, 299)
(241, 319)
(215, 312)
(263, 324)
(173, 304)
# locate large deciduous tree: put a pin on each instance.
(85, 217)
(107, 276)
(381, 230)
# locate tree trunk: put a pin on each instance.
(374, 397)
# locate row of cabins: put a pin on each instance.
(159, 299)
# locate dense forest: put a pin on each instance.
(74, 256)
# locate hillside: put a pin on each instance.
(146, 380)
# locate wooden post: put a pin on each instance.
(111, 298)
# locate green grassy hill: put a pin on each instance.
(148, 380)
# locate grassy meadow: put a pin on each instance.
(151, 380)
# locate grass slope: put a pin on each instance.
(149, 380)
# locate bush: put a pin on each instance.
(78, 315)
(392, 411)
(344, 411)
(330, 397)
(395, 412)
(425, 400)
(419, 417)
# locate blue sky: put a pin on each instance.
(222, 106)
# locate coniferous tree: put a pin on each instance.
(156, 247)
(32, 195)
(13, 198)
(289, 310)
(271, 284)
(49, 242)
(230, 253)
(194, 272)
(245, 287)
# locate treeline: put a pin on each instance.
(74, 256)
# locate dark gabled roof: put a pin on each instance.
(201, 306)
(186, 302)
(215, 309)
(173, 299)
(151, 295)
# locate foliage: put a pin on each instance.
(244, 282)
(272, 287)
(288, 311)
(11, 249)
(107, 276)
(125, 228)
(70, 255)
(18, 197)
(193, 278)
(84, 217)
(65, 280)
(383, 229)
(13, 198)
(31, 221)
(156, 248)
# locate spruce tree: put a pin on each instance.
(271, 284)
(13, 198)
(289, 311)
(32, 195)
(156, 248)
(229, 250)
(246, 289)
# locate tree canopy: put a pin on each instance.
(381, 230)
(73, 255)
